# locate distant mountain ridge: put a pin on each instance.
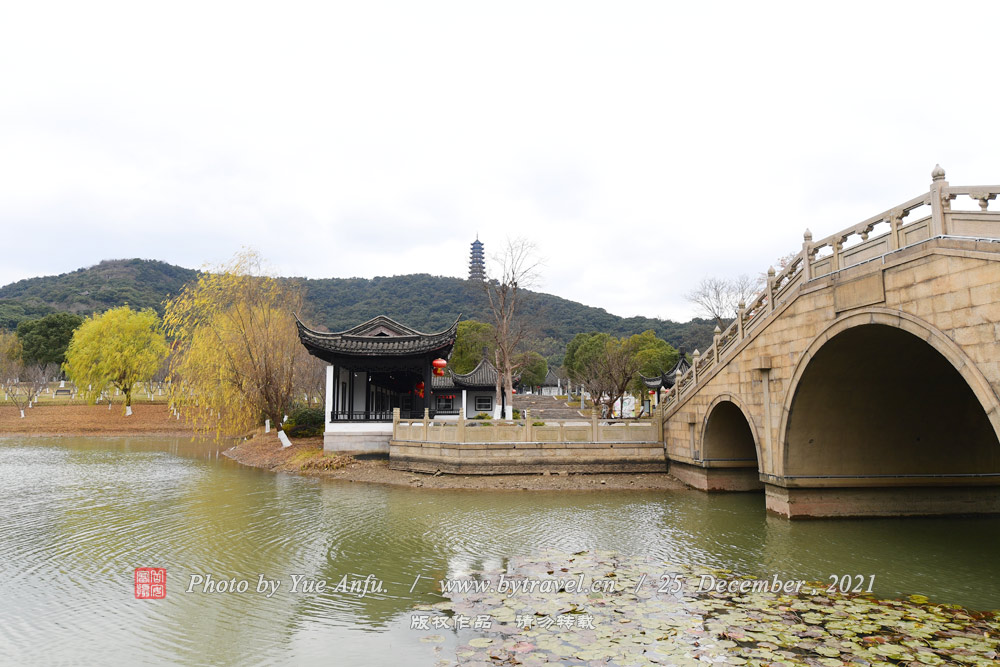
(422, 301)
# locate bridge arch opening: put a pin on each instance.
(878, 401)
(728, 436)
(729, 448)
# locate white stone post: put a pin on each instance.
(807, 238)
(770, 289)
(464, 405)
(940, 202)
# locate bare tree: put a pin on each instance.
(719, 298)
(608, 368)
(38, 376)
(514, 271)
(311, 379)
(12, 372)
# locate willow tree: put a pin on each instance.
(119, 349)
(237, 353)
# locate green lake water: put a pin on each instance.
(78, 515)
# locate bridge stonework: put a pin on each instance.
(869, 390)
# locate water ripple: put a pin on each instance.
(77, 516)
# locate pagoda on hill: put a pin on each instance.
(477, 261)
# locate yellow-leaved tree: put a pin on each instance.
(119, 348)
(237, 356)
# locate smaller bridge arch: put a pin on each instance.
(728, 434)
(725, 450)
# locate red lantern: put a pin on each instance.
(651, 392)
(419, 390)
(438, 372)
(439, 363)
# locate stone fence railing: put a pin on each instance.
(474, 431)
(849, 247)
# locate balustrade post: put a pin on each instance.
(770, 289)
(427, 422)
(838, 245)
(694, 364)
(395, 422)
(658, 423)
(594, 425)
(940, 202)
(895, 222)
(807, 239)
(460, 437)
(740, 311)
(715, 342)
(677, 384)
(527, 426)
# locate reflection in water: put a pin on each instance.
(78, 515)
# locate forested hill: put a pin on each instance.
(424, 302)
(431, 303)
(140, 283)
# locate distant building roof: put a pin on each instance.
(667, 379)
(551, 379)
(378, 337)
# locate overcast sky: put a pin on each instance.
(640, 145)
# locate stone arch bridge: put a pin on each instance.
(865, 379)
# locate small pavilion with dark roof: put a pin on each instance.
(666, 380)
(478, 390)
(552, 384)
(372, 368)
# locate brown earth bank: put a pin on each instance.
(306, 455)
(84, 420)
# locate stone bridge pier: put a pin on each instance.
(864, 380)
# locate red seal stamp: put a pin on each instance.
(150, 583)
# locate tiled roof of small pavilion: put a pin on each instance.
(379, 336)
(483, 376)
(667, 379)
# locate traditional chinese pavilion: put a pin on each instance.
(373, 368)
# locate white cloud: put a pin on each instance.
(642, 145)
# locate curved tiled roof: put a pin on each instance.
(483, 376)
(379, 336)
(667, 379)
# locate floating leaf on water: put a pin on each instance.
(480, 642)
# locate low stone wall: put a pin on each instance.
(504, 458)
(358, 439)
